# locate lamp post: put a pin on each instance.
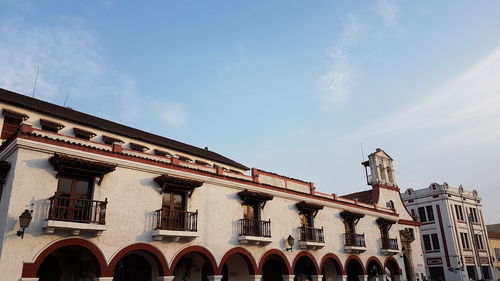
(24, 222)
(290, 242)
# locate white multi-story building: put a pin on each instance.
(88, 199)
(454, 235)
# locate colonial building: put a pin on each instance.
(494, 237)
(453, 232)
(85, 198)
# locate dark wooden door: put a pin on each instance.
(10, 126)
(173, 206)
(73, 198)
(251, 215)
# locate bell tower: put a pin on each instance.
(379, 169)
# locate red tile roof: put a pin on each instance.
(362, 196)
(71, 115)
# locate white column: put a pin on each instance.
(254, 277)
(317, 277)
(288, 277)
(103, 279)
(363, 277)
(214, 278)
(382, 277)
(166, 278)
(29, 279)
(340, 278)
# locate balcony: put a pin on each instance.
(311, 238)
(389, 246)
(255, 232)
(173, 225)
(354, 243)
(76, 215)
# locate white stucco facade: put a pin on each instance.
(214, 250)
(452, 220)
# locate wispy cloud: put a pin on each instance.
(336, 83)
(462, 112)
(451, 134)
(388, 10)
(72, 61)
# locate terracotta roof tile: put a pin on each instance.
(109, 126)
(362, 196)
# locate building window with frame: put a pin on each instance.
(431, 242)
(465, 240)
(421, 214)
(430, 213)
(479, 241)
(50, 126)
(352, 238)
(497, 254)
(173, 214)
(252, 224)
(11, 122)
(473, 215)
(427, 242)
(435, 241)
(73, 198)
(307, 230)
(459, 213)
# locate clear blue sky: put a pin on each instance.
(290, 86)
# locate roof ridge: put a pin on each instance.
(79, 117)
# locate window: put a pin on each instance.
(497, 254)
(465, 240)
(412, 211)
(251, 211)
(473, 215)
(173, 214)
(10, 125)
(459, 213)
(427, 242)
(83, 134)
(430, 213)
(138, 147)
(431, 242)
(479, 241)
(173, 210)
(72, 199)
(50, 126)
(390, 205)
(382, 172)
(11, 122)
(252, 224)
(421, 214)
(110, 140)
(435, 241)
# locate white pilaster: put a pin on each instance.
(103, 279)
(288, 277)
(254, 277)
(363, 277)
(29, 279)
(166, 278)
(382, 277)
(340, 278)
(214, 278)
(317, 277)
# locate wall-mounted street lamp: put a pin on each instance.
(24, 222)
(290, 242)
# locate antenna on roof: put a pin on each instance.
(36, 78)
(362, 152)
(66, 100)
